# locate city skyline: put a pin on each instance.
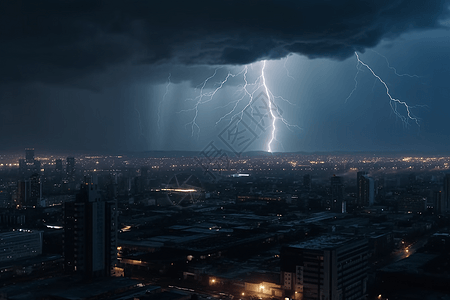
(239, 149)
(287, 226)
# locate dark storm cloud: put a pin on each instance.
(57, 41)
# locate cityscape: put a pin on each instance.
(265, 226)
(225, 150)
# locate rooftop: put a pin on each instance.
(412, 264)
(18, 233)
(323, 242)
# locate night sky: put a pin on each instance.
(95, 75)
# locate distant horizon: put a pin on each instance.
(230, 153)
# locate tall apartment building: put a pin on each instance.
(365, 189)
(70, 168)
(337, 195)
(90, 233)
(438, 202)
(359, 185)
(29, 191)
(329, 267)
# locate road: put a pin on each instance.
(408, 250)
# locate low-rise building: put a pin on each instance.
(20, 244)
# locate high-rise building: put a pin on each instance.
(22, 168)
(29, 154)
(90, 233)
(23, 193)
(337, 194)
(36, 166)
(58, 165)
(437, 201)
(328, 267)
(29, 165)
(446, 194)
(380, 189)
(70, 168)
(58, 170)
(359, 186)
(29, 191)
(35, 190)
(365, 190)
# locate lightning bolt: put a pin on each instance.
(245, 96)
(274, 119)
(162, 101)
(199, 100)
(274, 112)
(272, 109)
(358, 68)
(394, 103)
(285, 67)
(394, 69)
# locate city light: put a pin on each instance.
(225, 150)
(179, 190)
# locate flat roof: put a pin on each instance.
(410, 264)
(323, 242)
(443, 234)
(17, 233)
(141, 243)
(178, 239)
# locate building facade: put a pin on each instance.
(330, 267)
(70, 168)
(359, 185)
(90, 233)
(337, 194)
(365, 190)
